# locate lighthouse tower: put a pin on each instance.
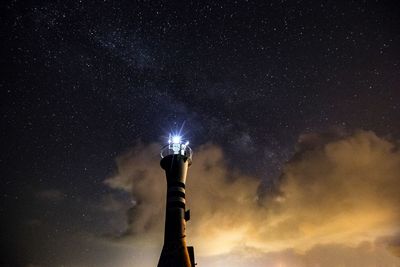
(176, 157)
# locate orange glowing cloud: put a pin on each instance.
(340, 190)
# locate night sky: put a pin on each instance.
(84, 83)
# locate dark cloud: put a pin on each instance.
(50, 195)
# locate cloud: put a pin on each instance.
(138, 172)
(337, 189)
(365, 254)
(392, 242)
(34, 223)
(50, 194)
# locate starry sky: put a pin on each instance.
(90, 88)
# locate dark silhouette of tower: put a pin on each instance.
(176, 159)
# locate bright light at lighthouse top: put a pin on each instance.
(176, 146)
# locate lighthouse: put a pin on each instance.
(176, 157)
